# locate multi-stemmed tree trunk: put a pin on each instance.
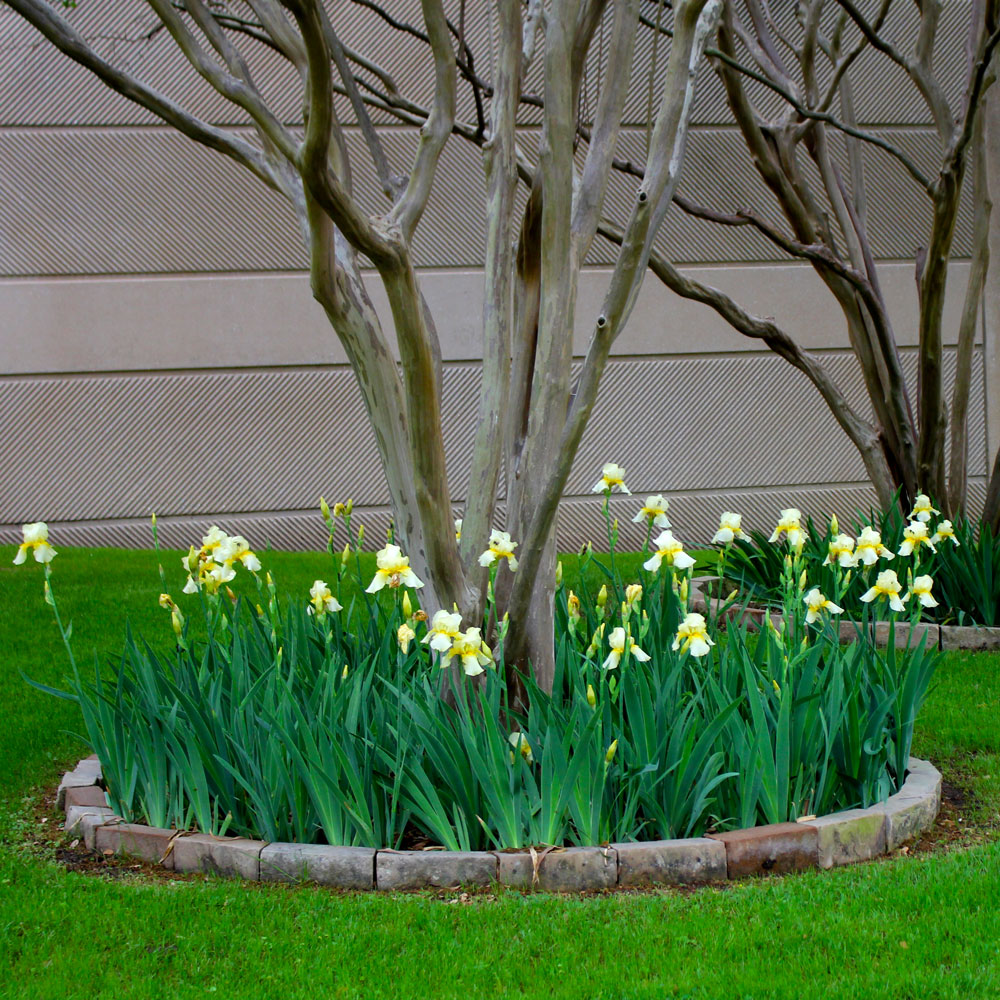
(532, 412)
(532, 415)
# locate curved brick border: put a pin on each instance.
(838, 839)
(969, 637)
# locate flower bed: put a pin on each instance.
(920, 565)
(825, 842)
(316, 723)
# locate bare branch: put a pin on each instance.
(861, 433)
(237, 88)
(693, 22)
(391, 184)
(979, 81)
(607, 125)
(533, 20)
(382, 75)
(809, 114)
(498, 306)
(217, 38)
(313, 158)
(917, 69)
(71, 43)
(844, 62)
(968, 325)
(280, 32)
(437, 128)
(760, 46)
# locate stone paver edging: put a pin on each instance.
(838, 839)
(945, 637)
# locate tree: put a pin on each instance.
(531, 416)
(823, 199)
(810, 155)
(816, 160)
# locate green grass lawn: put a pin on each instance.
(921, 925)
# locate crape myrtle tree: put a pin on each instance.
(811, 156)
(789, 83)
(532, 414)
(790, 87)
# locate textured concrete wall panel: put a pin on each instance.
(222, 443)
(40, 87)
(262, 320)
(129, 201)
(133, 201)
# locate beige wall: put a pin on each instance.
(159, 348)
(197, 321)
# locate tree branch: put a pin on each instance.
(391, 184)
(693, 22)
(313, 158)
(238, 87)
(436, 129)
(71, 43)
(603, 141)
(498, 307)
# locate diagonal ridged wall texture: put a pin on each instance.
(92, 186)
(231, 443)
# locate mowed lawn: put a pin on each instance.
(924, 924)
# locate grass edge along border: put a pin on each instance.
(824, 842)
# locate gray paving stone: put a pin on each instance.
(851, 632)
(907, 817)
(233, 857)
(76, 814)
(671, 862)
(85, 774)
(907, 635)
(574, 869)
(849, 836)
(343, 867)
(150, 843)
(922, 777)
(88, 795)
(396, 870)
(969, 637)
(89, 825)
(696, 597)
(913, 809)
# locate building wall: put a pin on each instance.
(161, 350)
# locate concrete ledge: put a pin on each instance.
(86, 774)
(849, 836)
(77, 817)
(913, 808)
(971, 637)
(671, 862)
(908, 636)
(85, 795)
(342, 867)
(838, 839)
(91, 822)
(150, 843)
(570, 869)
(769, 850)
(233, 857)
(441, 869)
